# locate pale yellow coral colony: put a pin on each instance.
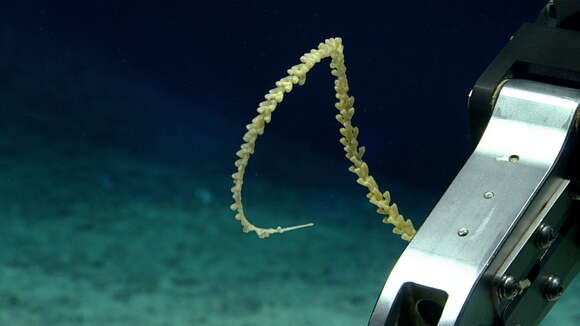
(332, 48)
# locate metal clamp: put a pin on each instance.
(476, 259)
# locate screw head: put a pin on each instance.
(488, 195)
(462, 232)
(545, 236)
(553, 288)
(508, 288)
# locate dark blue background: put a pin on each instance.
(410, 66)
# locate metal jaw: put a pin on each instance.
(502, 243)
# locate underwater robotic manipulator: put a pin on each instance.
(503, 243)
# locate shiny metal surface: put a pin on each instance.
(520, 255)
(492, 197)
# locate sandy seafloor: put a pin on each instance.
(96, 236)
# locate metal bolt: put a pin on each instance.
(545, 236)
(462, 232)
(552, 288)
(488, 195)
(508, 288)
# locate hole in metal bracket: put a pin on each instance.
(417, 305)
(430, 311)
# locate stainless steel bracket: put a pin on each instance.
(502, 243)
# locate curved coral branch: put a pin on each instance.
(332, 48)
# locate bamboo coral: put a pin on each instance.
(332, 48)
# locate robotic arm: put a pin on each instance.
(503, 242)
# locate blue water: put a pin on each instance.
(120, 120)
